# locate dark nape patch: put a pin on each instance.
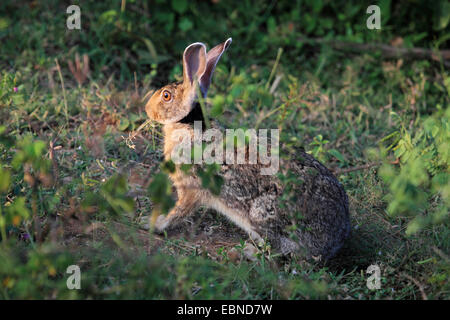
(196, 114)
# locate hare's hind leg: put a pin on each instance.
(239, 218)
(185, 206)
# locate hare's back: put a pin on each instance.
(322, 204)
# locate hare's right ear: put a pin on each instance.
(212, 58)
(194, 62)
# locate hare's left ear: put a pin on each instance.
(194, 62)
(212, 58)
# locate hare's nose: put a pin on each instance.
(149, 111)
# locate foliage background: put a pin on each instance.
(74, 189)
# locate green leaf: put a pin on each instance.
(151, 48)
(180, 6)
(18, 208)
(124, 123)
(317, 5)
(271, 24)
(160, 191)
(108, 16)
(415, 225)
(217, 105)
(5, 179)
(337, 155)
(4, 23)
(210, 179)
(385, 8)
(5, 139)
(168, 166)
(443, 17)
(185, 24)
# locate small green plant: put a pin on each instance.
(112, 198)
(210, 178)
(9, 90)
(318, 150)
(160, 190)
(421, 186)
(29, 166)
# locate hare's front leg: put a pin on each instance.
(184, 207)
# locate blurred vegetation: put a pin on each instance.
(74, 187)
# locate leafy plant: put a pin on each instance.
(421, 186)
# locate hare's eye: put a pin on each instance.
(167, 96)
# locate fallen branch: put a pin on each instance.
(386, 50)
(418, 284)
(338, 171)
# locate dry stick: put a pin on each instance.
(274, 68)
(129, 139)
(63, 90)
(440, 253)
(386, 50)
(54, 163)
(361, 167)
(417, 283)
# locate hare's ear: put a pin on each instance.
(212, 58)
(194, 62)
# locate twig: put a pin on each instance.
(418, 284)
(63, 90)
(440, 253)
(54, 162)
(135, 84)
(275, 84)
(361, 167)
(272, 73)
(386, 50)
(131, 136)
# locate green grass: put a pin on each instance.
(74, 187)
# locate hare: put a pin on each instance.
(315, 221)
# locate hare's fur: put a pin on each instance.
(313, 221)
(190, 193)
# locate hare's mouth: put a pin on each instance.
(194, 115)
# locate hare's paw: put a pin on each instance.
(160, 224)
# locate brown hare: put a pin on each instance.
(315, 221)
